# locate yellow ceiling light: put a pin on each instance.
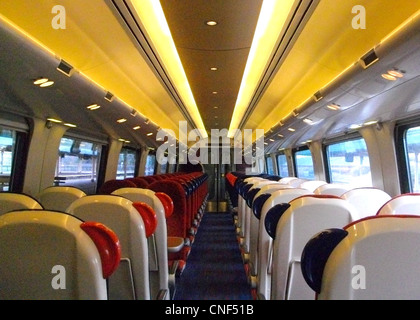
(46, 84)
(152, 17)
(272, 17)
(40, 81)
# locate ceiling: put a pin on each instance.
(112, 53)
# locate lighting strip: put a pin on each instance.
(271, 21)
(153, 19)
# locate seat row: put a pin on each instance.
(57, 239)
(275, 220)
(145, 241)
(189, 193)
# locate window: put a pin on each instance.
(150, 165)
(412, 150)
(261, 164)
(77, 164)
(283, 169)
(348, 162)
(270, 167)
(304, 164)
(7, 143)
(127, 163)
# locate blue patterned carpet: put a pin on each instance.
(214, 269)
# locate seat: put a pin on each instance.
(407, 203)
(139, 182)
(311, 185)
(264, 204)
(305, 216)
(48, 255)
(287, 180)
(10, 201)
(375, 258)
(131, 279)
(111, 185)
(265, 190)
(242, 188)
(367, 200)
(160, 278)
(177, 224)
(59, 197)
(332, 189)
(246, 223)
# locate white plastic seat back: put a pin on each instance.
(311, 185)
(287, 180)
(59, 197)
(295, 183)
(10, 201)
(332, 189)
(158, 248)
(376, 258)
(254, 225)
(367, 201)
(256, 186)
(306, 216)
(131, 280)
(242, 207)
(264, 244)
(49, 255)
(408, 203)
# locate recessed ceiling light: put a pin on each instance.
(369, 123)
(355, 126)
(388, 77)
(150, 134)
(40, 81)
(215, 107)
(396, 73)
(136, 128)
(213, 69)
(308, 121)
(46, 84)
(54, 120)
(334, 107)
(70, 125)
(121, 120)
(93, 106)
(214, 92)
(291, 129)
(211, 23)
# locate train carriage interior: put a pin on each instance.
(209, 150)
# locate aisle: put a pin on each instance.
(214, 269)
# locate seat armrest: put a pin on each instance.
(175, 244)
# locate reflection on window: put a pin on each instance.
(348, 163)
(270, 168)
(260, 164)
(150, 165)
(304, 164)
(126, 163)
(282, 165)
(412, 141)
(7, 142)
(77, 164)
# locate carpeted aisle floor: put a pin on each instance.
(214, 269)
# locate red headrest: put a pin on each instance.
(148, 215)
(167, 202)
(107, 243)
